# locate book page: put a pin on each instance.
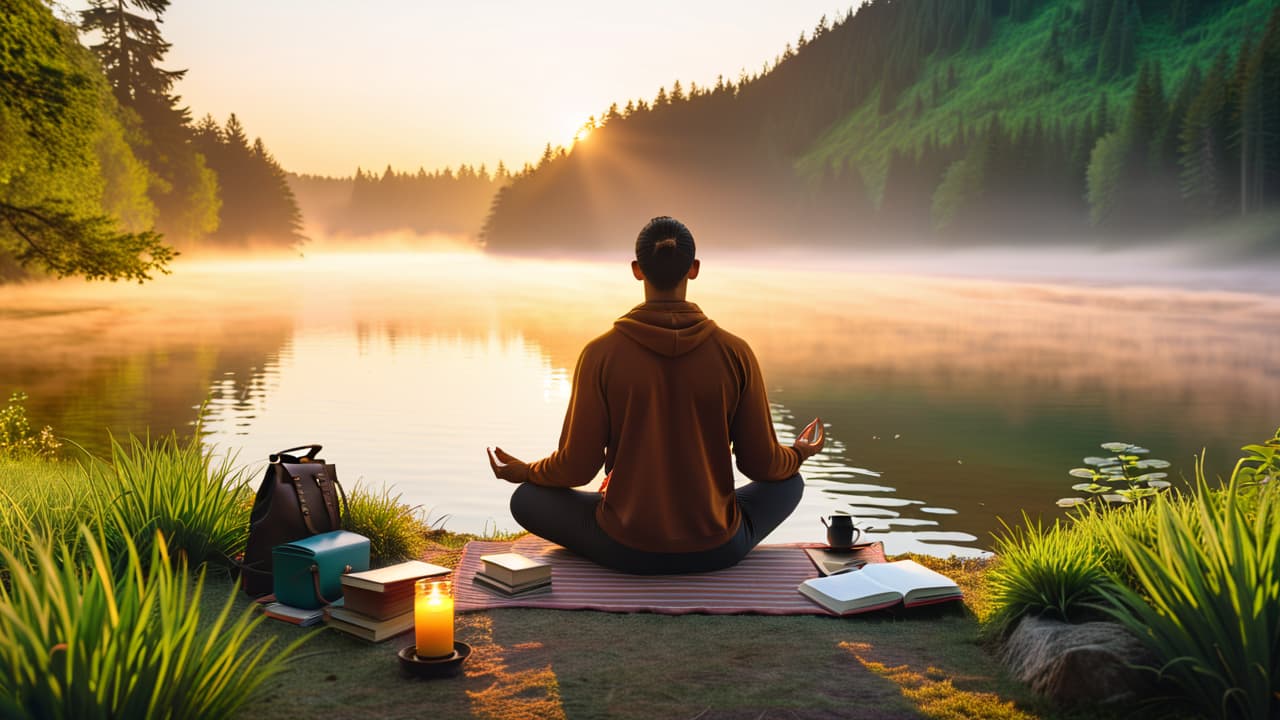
(851, 591)
(914, 581)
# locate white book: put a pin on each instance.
(880, 585)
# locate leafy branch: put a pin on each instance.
(51, 235)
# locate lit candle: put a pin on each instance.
(433, 618)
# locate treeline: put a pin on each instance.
(1141, 154)
(444, 201)
(99, 159)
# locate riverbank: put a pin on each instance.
(546, 664)
(555, 664)
(103, 556)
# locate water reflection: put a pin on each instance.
(951, 402)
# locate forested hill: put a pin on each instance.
(942, 119)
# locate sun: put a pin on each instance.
(581, 130)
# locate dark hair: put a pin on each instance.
(665, 250)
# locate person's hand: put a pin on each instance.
(506, 466)
(810, 440)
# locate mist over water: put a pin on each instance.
(959, 387)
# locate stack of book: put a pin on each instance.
(514, 575)
(378, 604)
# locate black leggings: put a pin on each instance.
(567, 517)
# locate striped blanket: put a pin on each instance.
(763, 584)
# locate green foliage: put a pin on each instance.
(1054, 571)
(200, 502)
(396, 531)
(18, 439)
(258, 206)
(60, 146)
(1261, 465)
(1207, 601)
(57, 239)
(81, 642)
(185, 190)
(1127, 467)
(41, 499)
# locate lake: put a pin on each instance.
(953, 399)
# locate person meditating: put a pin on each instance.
(660, 400)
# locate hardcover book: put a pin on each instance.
(367, 628)
(515, 569)
(380, 579)
(295, 615)
(535, 587)
(397, 600)
(880, 585)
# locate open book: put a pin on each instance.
(880, 585)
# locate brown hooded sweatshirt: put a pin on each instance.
(659, 399)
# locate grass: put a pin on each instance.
(554, 664)
(82, 637)
(1207, 600)
(1195, 577)
(199, 500)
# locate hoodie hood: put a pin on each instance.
(667, 328)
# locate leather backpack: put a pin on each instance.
(298, 498)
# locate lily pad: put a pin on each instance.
(1138, 493)
(1159, 484)
(1116, 498)
(1115, 447)
(1136, 450)
(1081, 473)
(1148, 477)
(1091, 488)
(1153, 464)
(1071, 502)
(1094, 460)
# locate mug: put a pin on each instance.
(841, 534)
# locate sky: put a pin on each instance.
(330, 85)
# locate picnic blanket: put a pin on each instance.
(762, 584)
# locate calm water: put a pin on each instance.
(951, 401)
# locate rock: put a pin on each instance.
(1078, 664)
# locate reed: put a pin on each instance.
(91, 640)
(396, 531)
(199, 500)
(1207, 599)
(1044, 571)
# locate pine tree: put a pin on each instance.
(1259, 118)
(1203, 143)
(1111, 51)
(130, 53)
(1147, 116)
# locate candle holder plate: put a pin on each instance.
(447, 666)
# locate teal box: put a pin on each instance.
(308, 573)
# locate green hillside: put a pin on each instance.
(947, 121)
(1015, 78)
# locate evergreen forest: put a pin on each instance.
(902, 122)
(444, 201)
(943, 121)
(103, 173)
